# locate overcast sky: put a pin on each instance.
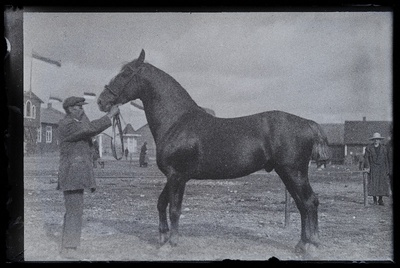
(328, 67)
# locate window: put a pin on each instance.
(28, 109)
(33, 113)
(49, 134)
(39, 134)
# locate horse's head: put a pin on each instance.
(124, 87)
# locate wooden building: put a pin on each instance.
(48, 137)
(348, 141)
(335, 135)
(130, 139)
(144, 134)
(32, 110)
(357, 134)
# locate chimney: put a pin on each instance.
(364, 118)
(49, 105)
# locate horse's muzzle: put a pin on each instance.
(102, 106)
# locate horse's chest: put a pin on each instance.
(180, 154)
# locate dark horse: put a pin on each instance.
(192, 144)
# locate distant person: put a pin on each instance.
(76, 166)
(130, 157)
(96, 153)
(126, 153)
(142, 157)
(360, 161)
(376, 164)
(390, 156)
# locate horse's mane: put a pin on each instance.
(166, 81)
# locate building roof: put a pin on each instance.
(359, 132)
(128, 129)
(334, 133)
(50, 115)
(142, 127)
(31, 95)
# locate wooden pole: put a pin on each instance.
(287, 208)
(30, 77)
(365, 188)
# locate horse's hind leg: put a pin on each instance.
(172, 194)
(306, 201)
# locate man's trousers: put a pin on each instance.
(72, 227)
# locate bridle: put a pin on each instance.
(116, 122)
(112, 91)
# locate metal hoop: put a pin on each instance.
(117, 122)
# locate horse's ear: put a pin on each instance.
(140, 60)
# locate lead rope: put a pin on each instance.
(117, 122)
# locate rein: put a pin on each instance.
(116, 123)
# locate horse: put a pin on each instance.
(193, 144)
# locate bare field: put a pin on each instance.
(226, 219)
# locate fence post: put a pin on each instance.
(365, 188)
(287, 208)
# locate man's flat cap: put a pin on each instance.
(72, 101)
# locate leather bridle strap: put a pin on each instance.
(113, 91)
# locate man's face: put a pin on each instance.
(77, 111)
(377, 142)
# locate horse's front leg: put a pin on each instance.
(176, 191)
(162, 214)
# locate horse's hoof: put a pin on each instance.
(173, 240)
(164, 237)
(300, 248)
(306, 250)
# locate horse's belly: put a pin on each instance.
(225, 165)
(224, 172)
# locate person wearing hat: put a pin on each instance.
(76, 168)
(376, 164)
(143, 161)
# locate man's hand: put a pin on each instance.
(113, 111)
(366, 170)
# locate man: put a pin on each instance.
(76, 167)
(376, 163)
(142, 157)
(96, 153)
(126, 153)
(389, 146)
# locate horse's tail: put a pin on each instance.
(320, 150)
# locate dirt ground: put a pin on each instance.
(241, 219)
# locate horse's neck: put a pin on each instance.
(165, 101)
